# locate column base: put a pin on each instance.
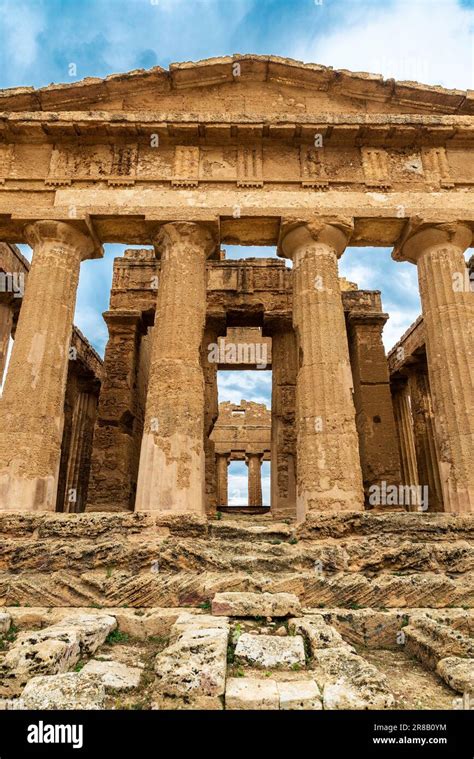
(27, 493)
(171, 475)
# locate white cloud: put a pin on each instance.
(429, 41)
(20, 27)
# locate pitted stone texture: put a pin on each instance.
(172, 462)
(255, 604)
(194, 665)
(186, 703)
(270, 651)
(299, 695)
(92, 629)
(5, 622)
(66, 691)
(347, 681)
(114, 675)
(55, 649)
(249, 693)
(458, 673)
(328, 472)
(318, 633)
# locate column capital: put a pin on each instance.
(193, 234)
(331, 232)
(62, 234)
(420, 235)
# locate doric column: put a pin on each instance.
(404, 427)
(424, 435)
(79, 452)
(171, 472)
(33, 396)
(116, 446)
(328, 463)
(6, 323)
(375, 422)
(283, 442)
(254, 463)
(222, 462)
(448, 315)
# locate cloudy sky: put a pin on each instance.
(425, 40)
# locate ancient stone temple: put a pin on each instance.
(114, 473)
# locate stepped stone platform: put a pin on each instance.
(349, 559)
(165, 612)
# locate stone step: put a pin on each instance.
(430, 641)
(251, 693)
(150, 588)
(270, 651)
(458, 673)
(191, 671)
(255, 604)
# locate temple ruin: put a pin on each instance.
(106, 462)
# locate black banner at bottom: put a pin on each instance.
(125, 733)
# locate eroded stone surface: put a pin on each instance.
(195, 662)
(248, 693)
(270, 651)
(5, 621)
(255, 604)
(54, 649)
(114, 675)
(347, 681)
(458, 673)
(65, 691)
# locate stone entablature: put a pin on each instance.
(242, 429)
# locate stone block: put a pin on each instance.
(270, 651)
(299, 695)
(65, 691)
(255, 604)
(248, 693)
(114, 675)
(458, 673)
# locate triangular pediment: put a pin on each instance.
(244, 85)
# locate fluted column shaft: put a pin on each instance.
(406, 439)
(171, 470)
(448, 315)
(328, 463)
(423, 431)
(6, 322)
(33, 398)
(254, 461)
(79, 452)
(222, 462)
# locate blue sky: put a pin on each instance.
(424, 40)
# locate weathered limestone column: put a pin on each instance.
(404, 427)
(33, 396)
(222, 463)
(79, 452)
(375, 421)
(283, 445)
(171, 473)
(116, 446)
(328, 464)
(6, 323)
(424, 435)
(448, 315)
(254, 463)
